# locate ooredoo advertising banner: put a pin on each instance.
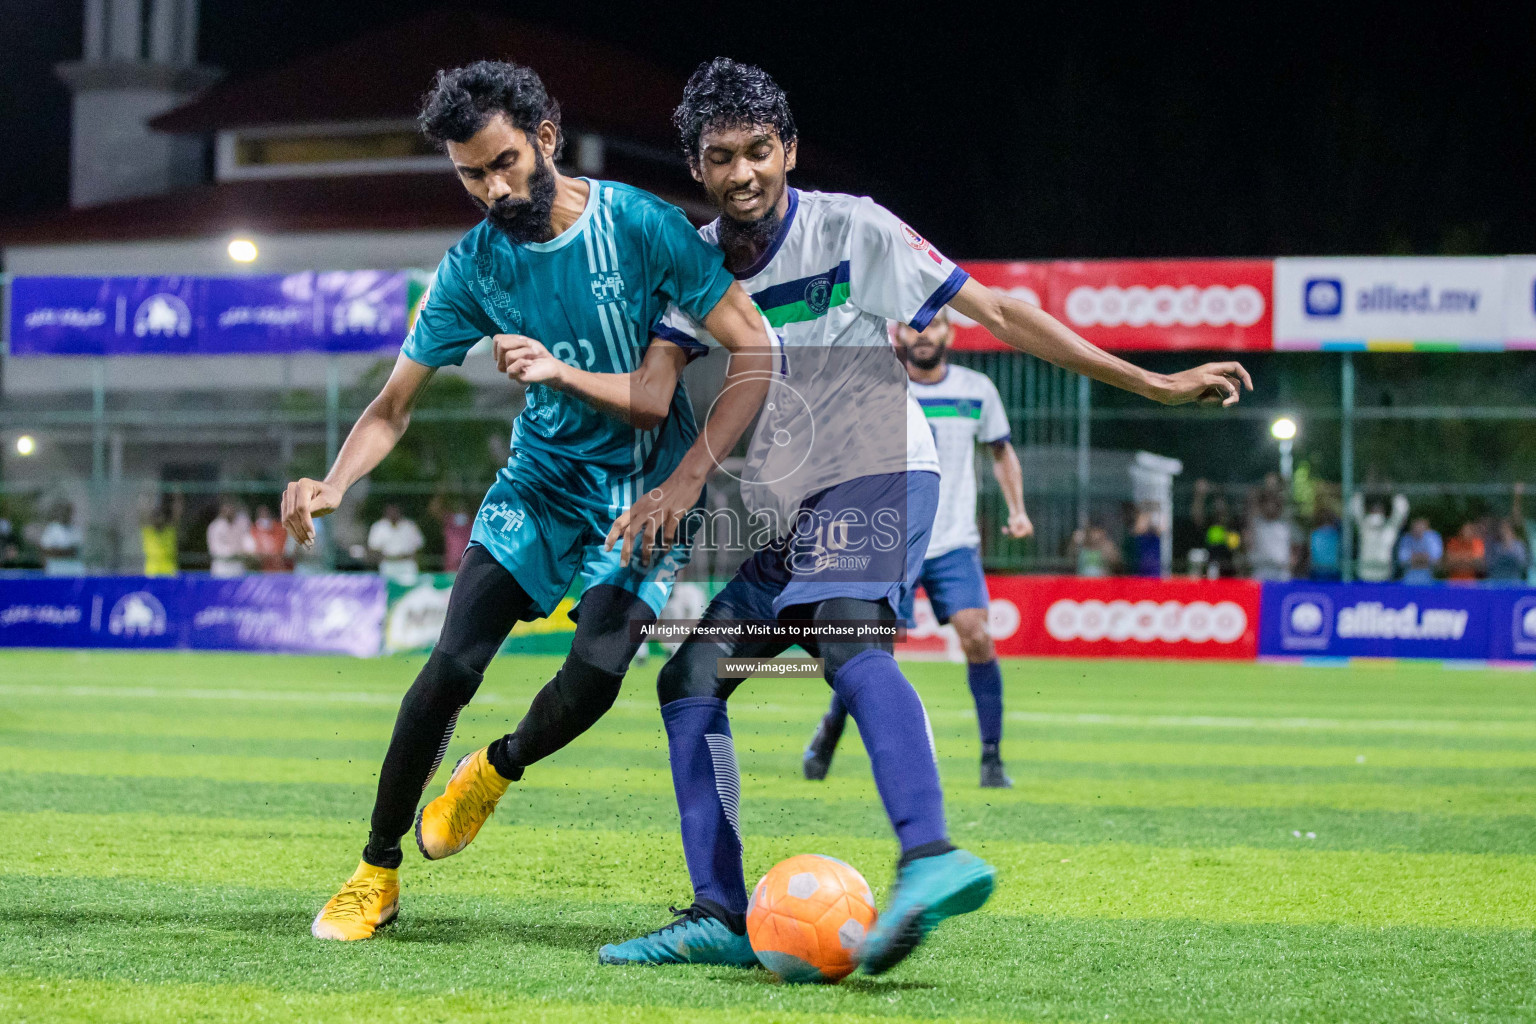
(1166, 304)
(1387, 303)
(1071, 616)
(1140, 304)
(1026, 281)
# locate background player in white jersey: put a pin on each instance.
(963, 409)
(839, 435)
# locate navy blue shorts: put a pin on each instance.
(953, 581)
(864, 538)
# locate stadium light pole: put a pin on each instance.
(1284, 431)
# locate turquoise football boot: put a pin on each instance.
(696, 937)
(927, 891)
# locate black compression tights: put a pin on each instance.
(486, 602)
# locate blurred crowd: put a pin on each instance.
(237, 541)
(1281, 533)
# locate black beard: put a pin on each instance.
(526, 220)
(744, 241)
(927, 364)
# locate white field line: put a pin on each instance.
(1039, 717)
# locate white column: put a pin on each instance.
(124, 41)
(186, 38)
(95, 31)
(164, 16)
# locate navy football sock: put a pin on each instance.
(986, 681)
(836, 718)
(708, 791)
(895, 731)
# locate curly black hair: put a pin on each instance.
(723, 93)
(462, 100)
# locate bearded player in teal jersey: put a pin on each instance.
(586, 267)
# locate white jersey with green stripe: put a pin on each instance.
(839, 270)
(963, 410)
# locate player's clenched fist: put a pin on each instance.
(302, 501)
(1019, 526)
(525, 360)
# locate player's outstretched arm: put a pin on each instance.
(654, 519)
(1032, 330)
(1010, 478)
(641, 398)
(372, 437)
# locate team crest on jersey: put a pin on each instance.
(818, 294)
(914, 239)
(502, 516)
(608, 287)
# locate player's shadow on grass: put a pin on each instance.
(852, 983)
(456, 930)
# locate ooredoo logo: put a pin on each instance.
(1164, 306)
(1146, 621)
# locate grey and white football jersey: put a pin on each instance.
(838, 407)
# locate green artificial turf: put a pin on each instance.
(1186, 842)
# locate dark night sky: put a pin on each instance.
(1054, 130)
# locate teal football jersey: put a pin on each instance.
(591, 295)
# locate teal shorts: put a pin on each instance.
(546, 537)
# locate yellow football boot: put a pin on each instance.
(448, 824)
(369, 901)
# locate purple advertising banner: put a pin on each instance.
(336, 311)
(341, 614)
(1385, 620)
(333, 614)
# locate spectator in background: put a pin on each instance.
(159, 536)
(230, 544)
(1508, 557)
(1517, 516)
(457, 525)
(1222, 540)
(10, 550)
(1270, 554)
(1142, 552)
(269, 542)
(1420, 552)
(1378, 535)
(60, 543)
(1324, 552)
(1465, 554)
(395, 540)
(1094, 552)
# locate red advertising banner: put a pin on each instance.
(1163, 305)
(1030, 282)
(1120, 617)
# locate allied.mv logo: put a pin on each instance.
(1323, 296)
